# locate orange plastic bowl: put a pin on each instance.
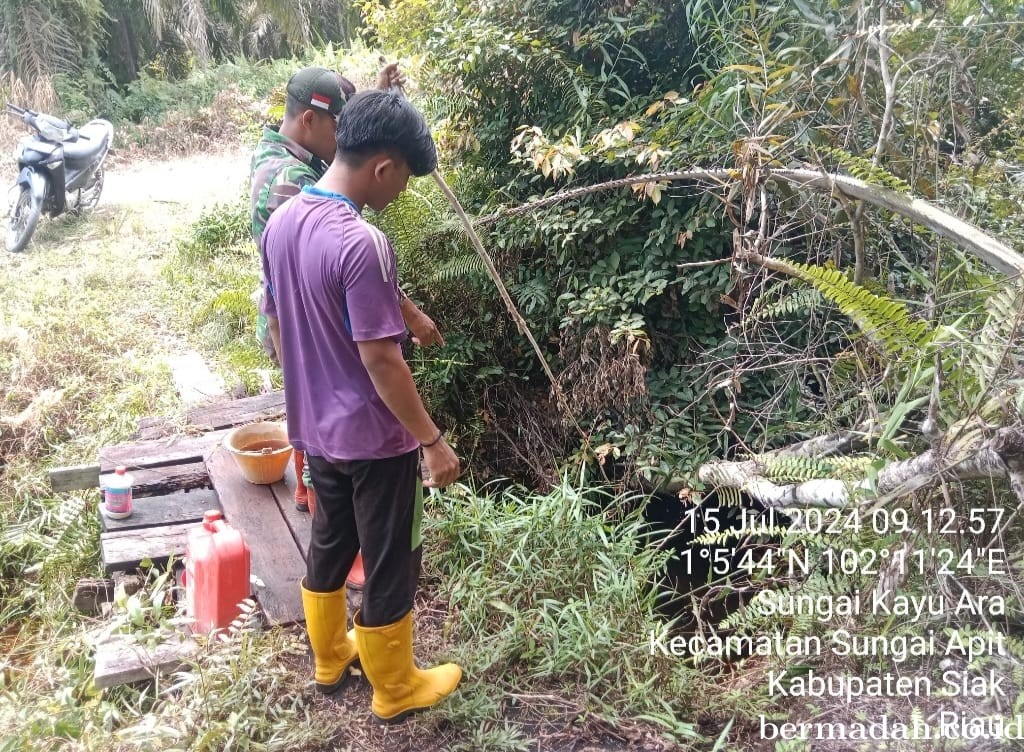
(261, 451)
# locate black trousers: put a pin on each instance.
(369, 504)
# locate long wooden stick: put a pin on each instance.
(492, 271)
(502, 290)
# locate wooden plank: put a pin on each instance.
(90, 592)
(237, 412)
(274, 556)
(159, 452)
(120, 660)
(221, 413)
(147, 481)
(169, 509)
(299, 523)
(126, 549)
(156, 427)
(74, 478)
(157, 481)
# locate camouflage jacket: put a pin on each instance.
(280, 169)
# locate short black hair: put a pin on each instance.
(375, 121)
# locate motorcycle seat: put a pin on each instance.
(93, 139)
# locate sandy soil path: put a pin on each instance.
(183, 182)
(171, 191)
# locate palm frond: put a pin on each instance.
(41, 45)
(193, 27)
(291, 17)
(154, 10)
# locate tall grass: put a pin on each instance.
(78, 365)
(553, 594)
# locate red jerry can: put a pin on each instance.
(216, 573)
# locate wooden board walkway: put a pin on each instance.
(217, 415)
(276, 532)
(178, 478)
(170, 509)
(125, 550)
(175, 480)
(159, 447)
(226, 414)
(277, 561)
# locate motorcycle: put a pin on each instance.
(60, 169)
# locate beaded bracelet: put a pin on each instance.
(440, 435)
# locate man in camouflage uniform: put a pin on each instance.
(296, 155)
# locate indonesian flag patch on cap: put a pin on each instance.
(317, 88)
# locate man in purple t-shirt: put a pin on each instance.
(352, 405)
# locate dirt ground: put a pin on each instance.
(178, 185)
(172, 191)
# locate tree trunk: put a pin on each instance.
(969, 451)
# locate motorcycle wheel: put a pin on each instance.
(22, 222)
(89, 194)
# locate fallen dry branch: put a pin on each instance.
(840, 442)
(969, 452)
(967, 236)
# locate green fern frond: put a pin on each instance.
(784, 302)
(460, 267)
(1003, 319)
(750, 619)
(885, 321)
(729, 497)
(852, 468)
(864, 169)
(718, 538)
(789, 469)
(723, 537)
(795, 469)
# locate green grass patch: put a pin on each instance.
(211, 278)
(553, 593)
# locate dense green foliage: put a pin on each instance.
(597, 279)
(675, 365)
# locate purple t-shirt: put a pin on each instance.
(332, 283)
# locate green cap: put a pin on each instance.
(318, 89)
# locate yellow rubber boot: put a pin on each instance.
(334, 650)
(399, 688)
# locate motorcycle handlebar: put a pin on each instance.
(21, 113)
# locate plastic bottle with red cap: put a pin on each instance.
(216, 573)
(117, 495)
